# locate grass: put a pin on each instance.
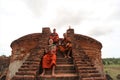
(113, 70)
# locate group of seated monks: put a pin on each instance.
(49, 58)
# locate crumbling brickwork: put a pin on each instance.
(4, 64)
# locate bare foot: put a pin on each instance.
(69, 57)
(42, 74)
(53, 74)
(65, 57)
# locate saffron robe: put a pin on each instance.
(49, 59)
(54, 37)
(65, 45)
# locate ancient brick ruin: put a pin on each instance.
(4, 64)
(27, 51)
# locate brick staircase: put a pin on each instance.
(86, 70)
(77, 68)
(30, 68)
(65, 70)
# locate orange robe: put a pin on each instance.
(66, 45)
(54, 37)
(49, 60)
(62, 48)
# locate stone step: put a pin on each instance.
(78, 54)
(86, 75)
(36, 64)
(80, 62)
(59, 71)
(29, 63)
(64, 60)
(94, 78)
(59, 53)
(85, 65)
(64, 57)
(81, 57)
(65, 67)
(29, 66)
(23, 77)
(33, 60)
(86, 68)
(88, 71)
(27, 69)
(25, 65)
(58, 77)
(26, 73)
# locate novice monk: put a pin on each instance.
(49, 59)
(54, 36)
(66, 46)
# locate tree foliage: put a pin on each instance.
(109, 61)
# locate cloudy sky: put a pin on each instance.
(99, 19)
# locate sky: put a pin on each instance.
(98, 19)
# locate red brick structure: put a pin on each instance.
(4, 64)
(28, 50)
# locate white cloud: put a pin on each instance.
(110, 43)
(96, 18)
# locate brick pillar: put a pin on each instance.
(70, 33)
(43, 39)
(46, 30)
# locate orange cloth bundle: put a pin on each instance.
(62, 49)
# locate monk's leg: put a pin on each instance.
(43, 72)
(64, 53)
(53, 70)
(68, 53)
